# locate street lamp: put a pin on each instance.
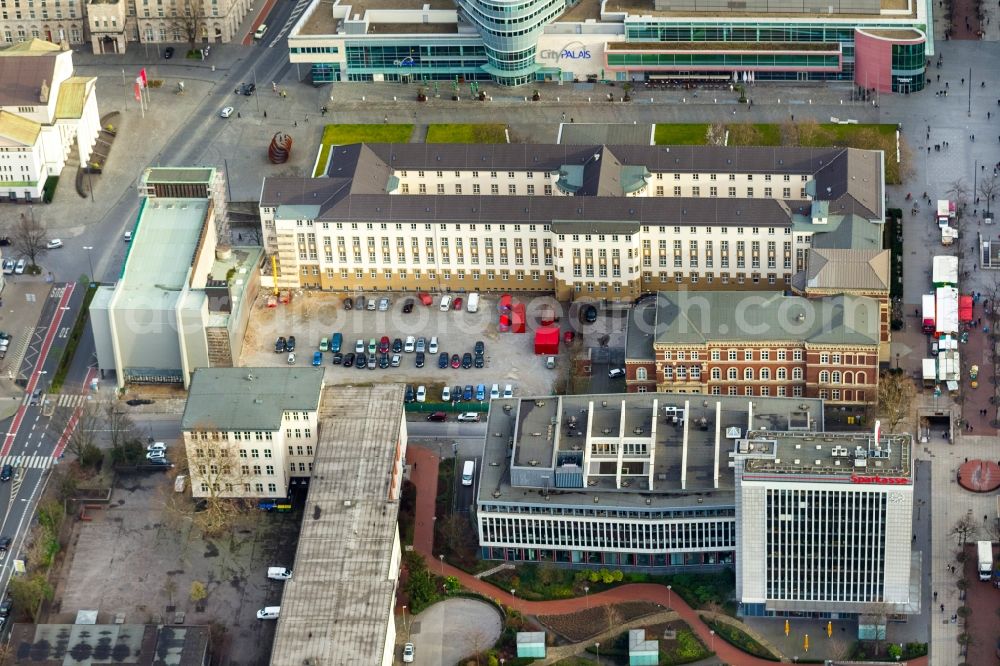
(90, 260)
(712, 634)
(441, 557)
(597, 646)
(512, 591)
(405, 630)
(670, 598)
(586, 594)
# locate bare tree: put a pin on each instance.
(959, 191)
(965, 530)
(877, 615)
(83, 440)
(29, 238)
(895, 397)
(219, 476)
(744, 134)
(988, 188)
(190, 21)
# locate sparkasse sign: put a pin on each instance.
(880, 480)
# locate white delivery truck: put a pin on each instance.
(468, 472)
(472, 305)
(985, 560)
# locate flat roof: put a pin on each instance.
(161, 252)
(244, 260)
(772, 455)
(125, 644)
(638, 9)
(322, 21)
(154, 175)
(336, 608)
(73, 96)
(227, 399)
(539, 428)
(398, 28)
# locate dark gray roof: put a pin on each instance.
(358, 175)
(640, 331)
(613, 134)
(227, 399)
(746, 316)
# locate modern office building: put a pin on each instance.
(251, 432)
(633, 480)
(46, 115)
(878, 44)
(594, 221)
(108, 25)
(824, 524)
(755, 344)
(184, 296)
(339, 606)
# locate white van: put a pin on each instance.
(467, 471)
(472, 305)
(279, 573)
(269, 613)
(260, 31)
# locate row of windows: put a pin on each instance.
(694, 277)
(229, 488)
(727, 60)
(733, 355)
(430, 274)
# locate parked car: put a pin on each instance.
(425, 298)
(456, 393)
(396, 359)
(408, 306)
(397, 346)
(479, 361)
(383, 344)
(226, 112)
(456, 361)
(446, 394)
(317, 358)
(457, 304)
(324, 344)
(589, 314)
(419, 360)
(348, 303)
(336, 342)
(479, 348)
(410, 343)
(437, 416)
(467, 393)
(421, 393)
(53, 244)
(359, 346)
(8, 266)
(433, 346)
(372, 345)
(372, 304)
(337, 359)
(466, 361)
(291, 359)
(20, 266)
(614, 373)
(383, 360)
(445, 303)
(494, 391)
(480, 391)
(361, 361)
(421, 344)
(383, 304)
(359, 303)
(469, 417)
(280, 345)
(408, 653)
(291, 343)
(348, 359)
(508, 391)
(6, 606)
(410, 394)
(372, 361)
(443, 360)
(157, 446)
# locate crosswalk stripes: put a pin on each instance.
(34, 462)
(299, 9)
(71, 399)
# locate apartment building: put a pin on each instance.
(824, 524)
(46, 114)
(580, 221)
(755, 344)
(251, 432)
(634, 480)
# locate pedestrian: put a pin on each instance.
(935, 596)
(564, 116)
(963, 80)
(265, 114)
(942, 608)
(296, 123)
(385, 119)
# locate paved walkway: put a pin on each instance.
(423, 474)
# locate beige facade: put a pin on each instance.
(747, 227)
(108, 25)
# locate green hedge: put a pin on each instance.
(50, 189)
(458, 407)
(739, 639)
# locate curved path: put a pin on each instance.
(424, 466)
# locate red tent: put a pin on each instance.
(518, 318)
(965, 309)
(504, 304)
(547, 340)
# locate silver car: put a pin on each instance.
(383, 304)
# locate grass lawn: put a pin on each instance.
(690, 134)
(466, 133)
(339, 135)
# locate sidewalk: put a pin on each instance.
(424, 465)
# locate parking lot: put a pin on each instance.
(508, 358)
(138, 557)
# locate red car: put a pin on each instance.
(457, 304)
(383, 344)
(456, 361)
(425, 298)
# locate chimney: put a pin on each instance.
(43, 95)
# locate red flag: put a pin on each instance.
(142, 75)
(138, 93)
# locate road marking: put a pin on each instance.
(64, 331)
(25, 462)
(30, 298)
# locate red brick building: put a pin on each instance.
(755, 344)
